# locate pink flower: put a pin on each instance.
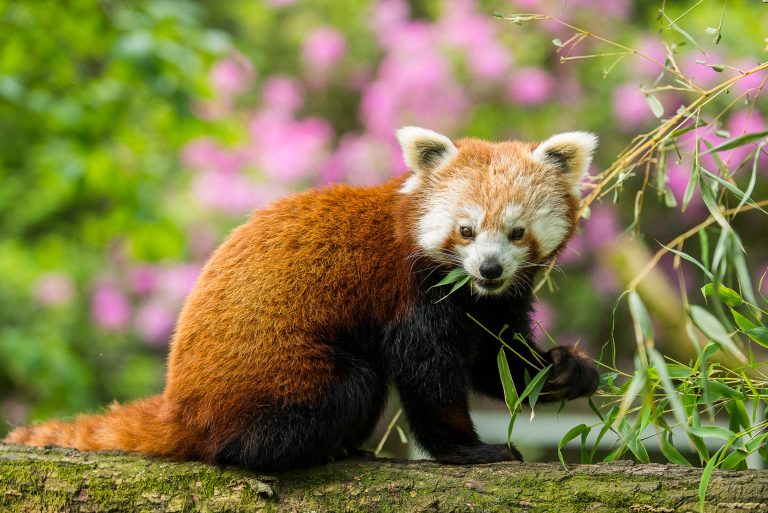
(653, 48)
(740, 123)
(541, 320)
(602, 227)
(574, 251)
(230, 193)
(361, 160)
(54, 289)
(232, 75)
(109, 306)
(530, 86)
(279, 3)
(282, 93)
(750, 83)
(388, 16)
(698, 68)
(605, 8)
(176, 282)
(143, 279)
(286, 149)
(630, 108)
(323, 48)
(414, 84)
(678, 176)
(463, 28)
(205, 154)
(154, 322)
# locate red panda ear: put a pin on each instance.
(424, 150)
(570, 153)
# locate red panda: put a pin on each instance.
(283, 351)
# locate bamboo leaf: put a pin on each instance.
(570, 435)
(671, 453)
(728, 296)
(655, 105)
(720, 432)
(641, 320)
(759, 335)
(711, 327)
(738, 141)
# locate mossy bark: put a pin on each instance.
(65, 480)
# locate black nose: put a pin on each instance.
(491, 269)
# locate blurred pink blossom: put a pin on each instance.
(619, 9)
(652, 47)
(602, 227)
(154, 322)
(206, 155)
(697, 67)
(176, 282)
(282, 93)
(54, 289)
(475, 34)
(678, 176)
(388, 16)
(740, 123)
(109, 306)
(143, 279)
(541, 319)
(574, 251)
(750, 83)
(231, 193)
(530, 86)
(279, 3)
(232, 75)
(287, 149)
(323, 48)
(630, 108)
(361, 160)
(414, 84)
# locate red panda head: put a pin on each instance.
(493, 209)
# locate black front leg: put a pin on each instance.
(429, 361)
(440, 422)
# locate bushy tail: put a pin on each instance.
(141, 426)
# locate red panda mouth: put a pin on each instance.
(489, 285)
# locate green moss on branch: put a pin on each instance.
(65, 480)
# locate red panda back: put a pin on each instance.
(299, 271)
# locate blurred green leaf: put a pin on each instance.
(711, 327)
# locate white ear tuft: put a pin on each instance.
(570, 153)
(424, 150)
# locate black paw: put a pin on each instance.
(573, 374)
(483, 453)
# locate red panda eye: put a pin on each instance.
(516, 233)
(466, 232)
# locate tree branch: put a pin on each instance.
(54, 479)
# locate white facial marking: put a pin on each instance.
(472, 216)
(550, 228)
(511, 215)
(438, 219)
